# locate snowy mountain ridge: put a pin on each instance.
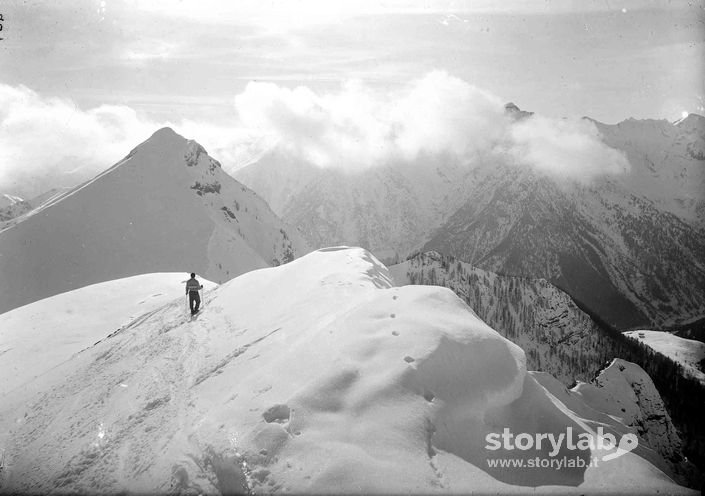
(668, 162)
(648, 263)
(315, 376)
(166, 207)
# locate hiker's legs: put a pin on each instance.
(193, 300)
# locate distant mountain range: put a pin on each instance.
(617, 254)
(390, 209)
(629, 248)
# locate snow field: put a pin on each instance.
(688, 352)
(317, 376)
(39, 336)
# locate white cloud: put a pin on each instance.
(435, 115)
(357, 127)
(49, 142)
(568, 148)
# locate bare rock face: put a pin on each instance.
(633, 389)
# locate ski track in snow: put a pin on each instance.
(172, 355)
(218, 368)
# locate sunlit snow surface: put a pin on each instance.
(37, 337)
(315, 376)
(688, 352)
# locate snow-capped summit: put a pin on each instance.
(693, 127)
(166, 207)
(690, 121)
(164, 133)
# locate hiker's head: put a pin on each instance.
(193, 275)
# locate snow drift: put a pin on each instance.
(315, 376)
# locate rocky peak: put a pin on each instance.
(511, 110)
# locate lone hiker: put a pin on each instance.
(192, 289)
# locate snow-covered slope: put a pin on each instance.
(638, 236)
(166, 207)
(316, 376)
(687, 352)
(389, 209)
(667, 162)
(648, 263)
(555, 334)
(625, 391)
(48, 196)
(37, 337)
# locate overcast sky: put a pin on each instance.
(132, 64)
(608, 59)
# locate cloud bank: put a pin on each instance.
(49, 142)
(570, 149)
(435, 115)
(357, 128)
